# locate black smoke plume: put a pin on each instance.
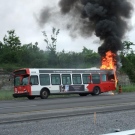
(44, 17)
(108, 19)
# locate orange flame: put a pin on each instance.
(109, 61)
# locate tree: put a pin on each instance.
(127, 48)
(51, 47)
(128, 60)
(90, 57)
(32, 56)
(12, 40)
(11, 48)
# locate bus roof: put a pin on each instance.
(64, 70)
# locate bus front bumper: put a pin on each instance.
(15, 95)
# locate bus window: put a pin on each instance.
(103, 78)
(34, 80)
(95, 78)
(66, 79)
(25, 80)
(86, 78)
(55, 79)
(111, 77)
(17, 81)
(44, 79)
(76, 79)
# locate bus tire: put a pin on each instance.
(83, 94)
(44, 94)
(96, 91)
(31, 97)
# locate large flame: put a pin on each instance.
(109, 61)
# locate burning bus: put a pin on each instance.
(42, 82)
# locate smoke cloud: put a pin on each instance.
(44, 17)
(48, 15)
(67, 5)
(108, 19)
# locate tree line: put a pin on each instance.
(15, 55)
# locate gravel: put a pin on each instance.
(95, 124)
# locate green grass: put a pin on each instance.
(7, 94)
(127, 88)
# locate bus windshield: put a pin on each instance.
(21, 80)
(17, 80)
(25, 80)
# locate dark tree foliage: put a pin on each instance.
(10, 48)
(128, 60)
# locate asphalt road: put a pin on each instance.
(27, 110)
(91, 115)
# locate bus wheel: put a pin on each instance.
(31, 97)
(83, 94)
(44, 94)
(96, 91)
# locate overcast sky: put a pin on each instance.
(22, 16)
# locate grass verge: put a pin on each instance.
(6, 95)
(127, 88)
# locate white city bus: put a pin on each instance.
(43, 82)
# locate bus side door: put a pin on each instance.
(34, 81)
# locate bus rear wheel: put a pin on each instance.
(96, 91)
(44, 94)
(31, 97)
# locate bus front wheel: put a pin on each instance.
(44, 94)
(96, 91)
